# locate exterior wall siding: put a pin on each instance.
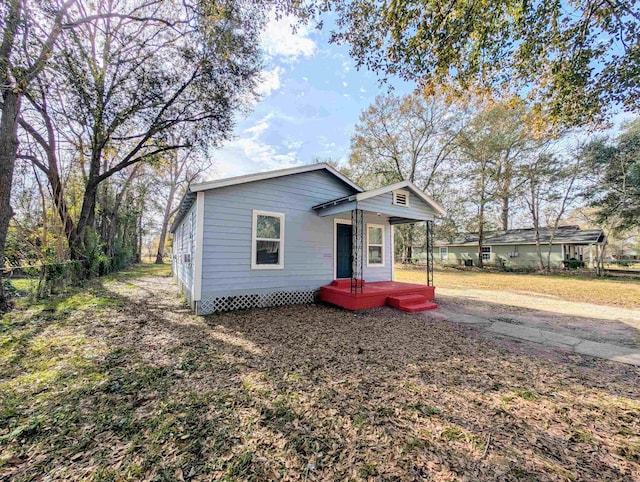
(308, 238)
(417, 209)
(527, 257)
(184, 239)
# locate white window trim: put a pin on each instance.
(489, 253)
(401, 191)
(375, 265)
(255, 239)
(444, 250)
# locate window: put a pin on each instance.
(375, 245)
(486, 253)
(444, 253)
(267, 249)
(401, 198)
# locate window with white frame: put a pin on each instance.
(401, 198)
(375, 245)
(444, 253)
(267, 249)
(486, 253)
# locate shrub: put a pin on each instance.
(573, 263)
(8, 288)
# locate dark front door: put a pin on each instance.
(343, 251)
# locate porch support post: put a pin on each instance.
(358, 249)
(429, 251)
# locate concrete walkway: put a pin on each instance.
(607, 351)
(554, 304)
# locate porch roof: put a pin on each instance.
(349, 203)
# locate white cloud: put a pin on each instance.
(269, 81)
(278, 40)
(260, 127)
(292, 144)
(344, 84)
(362, 90)
(250, 153)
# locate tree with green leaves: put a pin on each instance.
(616, 191)
(574, 60)
(406, 138)
(23, 57)
(120, 86)
(129, 84)
(477, 143)
(495, 147)
(550, 189)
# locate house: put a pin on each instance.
(293, 235)
(516, 248)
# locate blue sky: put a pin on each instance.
(312, 96)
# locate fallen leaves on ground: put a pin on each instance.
(141, 389)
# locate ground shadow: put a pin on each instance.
(301, 392)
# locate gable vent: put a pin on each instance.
(401, 198)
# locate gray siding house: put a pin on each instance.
(516, 248)
(275, 238)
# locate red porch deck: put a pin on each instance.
(377, 294)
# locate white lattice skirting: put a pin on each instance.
(256, 300)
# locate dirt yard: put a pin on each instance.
(121, 382)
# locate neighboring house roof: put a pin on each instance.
(361, 196)
(563, 235)
(190, 196)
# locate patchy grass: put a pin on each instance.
(24, 284)
(614, 292)
(121, 382)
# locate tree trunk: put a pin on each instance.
(61, 204)
(481, 217)
(139, 253)
(480, 240)
(165, 226)
(8, 152)
(85, 222)
(534, 208)
(504, 215)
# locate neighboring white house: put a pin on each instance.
(275, 238)
(516, 248)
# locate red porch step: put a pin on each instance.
(411, 303)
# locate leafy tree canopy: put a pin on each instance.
(404, 138)
(617, 192)
(573, 59)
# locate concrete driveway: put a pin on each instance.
(605, 332)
